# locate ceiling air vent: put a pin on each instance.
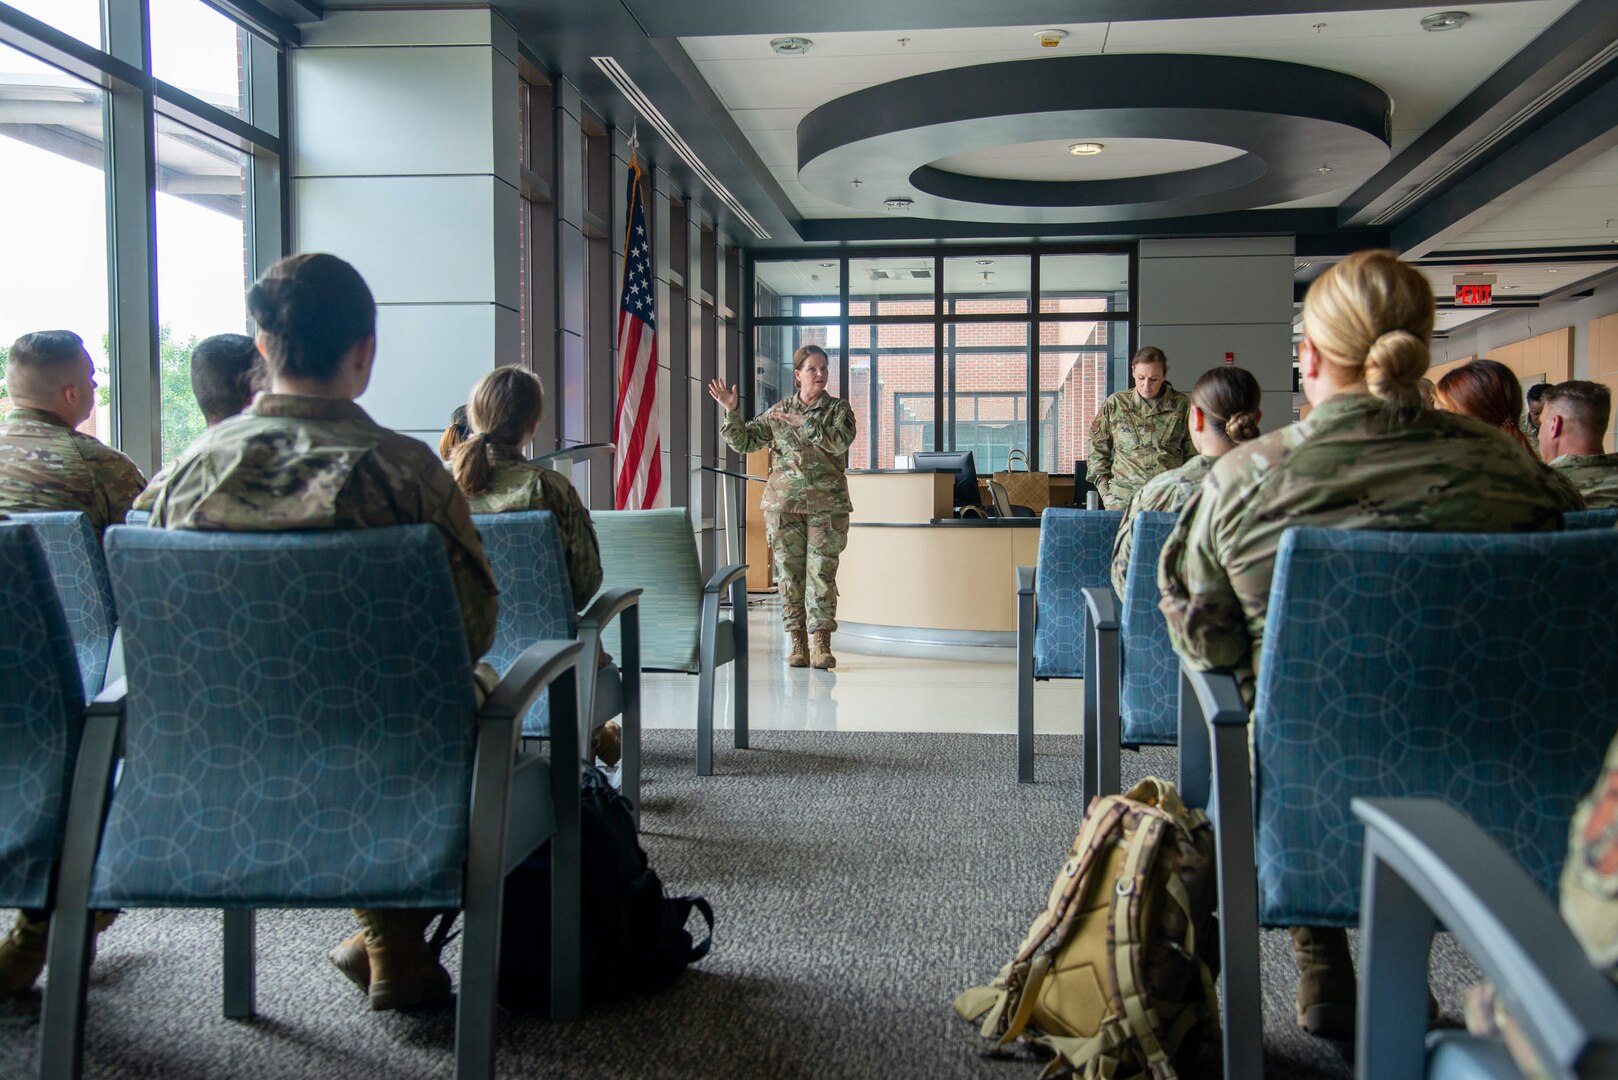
(900, 275)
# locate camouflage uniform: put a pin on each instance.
(1135, 438)
(520, 484)
(1595, 475)
(146, 498)
(805, 503)
(46, 465)
(292, 462)
(1530, 431)
(1165, 492)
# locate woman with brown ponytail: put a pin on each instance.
(1485, 390)
(1224, 411)
(503, 414)
(1368, 457)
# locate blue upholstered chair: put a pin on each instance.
(1426, 863)
(1075, 553)
(1605, 518)
(79, 570)
(536, 604)
(1132, 695)
(294, 739)
(1399, 665)
(682, 626)
(138, 517)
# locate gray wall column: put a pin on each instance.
(1200, 299)
(569, 278)
(406, 164)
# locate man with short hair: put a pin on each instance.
(45, 464)
(1571, 430)
(1531, 415)
(226, 371)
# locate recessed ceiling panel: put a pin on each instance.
(1053, 159)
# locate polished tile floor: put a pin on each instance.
(864, 692)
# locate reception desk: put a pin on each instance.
(914, 580)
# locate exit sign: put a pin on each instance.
(1473, 295)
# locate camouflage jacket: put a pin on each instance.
(292, 462)
(1353, 464)
(146, 498)
(1135, 438)
(1589, 886)
(806, 463)
(46, 465)
(1595, 475)
(1531, 433)
(1165, 492)
(520, 484)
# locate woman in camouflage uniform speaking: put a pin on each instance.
(1139, 432)
(806, 503)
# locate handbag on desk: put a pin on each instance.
(1023, 486)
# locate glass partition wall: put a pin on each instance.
(989, 350)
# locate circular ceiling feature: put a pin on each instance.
(1053, 159)
(963, 140)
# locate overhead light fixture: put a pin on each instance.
(990, 262)
(1323, 170)
(797, 46)
(1552, 270)
(615, 73)
(898, 206)
(1444, 20)
(1086, 149)
(828, 265)
(1050, 39)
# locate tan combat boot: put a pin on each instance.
(403, 972)
(823, 659)
(22, 952)
(1326, 985)
(607, 743)
(799, 656)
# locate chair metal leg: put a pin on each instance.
(738, 629)
(705, 681)
(484, 893)
(1025, 690)
(1102, 672)
(1240, 989)
(1396, 944)
(1196, 770)
(240, 963)
(567, 854)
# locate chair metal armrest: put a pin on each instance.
(1025, 580)
(539, 665)
(110, 702)
(724, 576)
(1218, 696)
(607, 607)
(1424, 860)
(1102, 606)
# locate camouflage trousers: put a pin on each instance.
(806, 548)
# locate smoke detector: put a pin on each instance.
(1444, 20)
(1050, 39)
(791, 46)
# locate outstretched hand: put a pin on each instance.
(717, 391)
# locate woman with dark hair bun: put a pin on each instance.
(1224, 411)
(1485, 390)
(305, 456)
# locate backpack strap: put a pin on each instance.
(705, 909)
(1127, 912)
(1060, 911)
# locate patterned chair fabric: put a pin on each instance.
(1075, 553)
(1605, 518)
(656, 550)
(73, 552)
(1150, 671)
(1399, 664)
(536, 598)
(41, 719)
(293, 736)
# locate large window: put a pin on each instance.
(199, 197)
(989, 350)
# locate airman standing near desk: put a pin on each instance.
(1571, 429)
(45, 464)
(1139, 432)
(806, 503)
(1368, 457)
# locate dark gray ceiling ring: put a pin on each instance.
(1301, 130)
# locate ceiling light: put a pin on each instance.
(1323, 170)
(797, 46)
(1050, 39)
(898, 206)
(1553, 270)
(990, 262)
(1086, 149)
(1444, 20)
(830, 264)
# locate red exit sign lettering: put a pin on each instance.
(1473, 295)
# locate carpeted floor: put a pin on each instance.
(860, 881)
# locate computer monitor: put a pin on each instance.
(960, 463)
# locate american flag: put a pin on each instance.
(634, 426)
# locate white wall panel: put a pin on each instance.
(428, 357)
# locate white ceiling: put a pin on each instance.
(1520, 281)
(963, 275)
(1424, 74)
(1050, 159)
(1579, 208)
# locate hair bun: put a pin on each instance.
(1394, 366)
(274, 303)
(1242, 427)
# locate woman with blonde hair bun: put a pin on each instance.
(1369, 456)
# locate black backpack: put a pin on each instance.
(634, 936)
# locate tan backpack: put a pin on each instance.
(1110, 976)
